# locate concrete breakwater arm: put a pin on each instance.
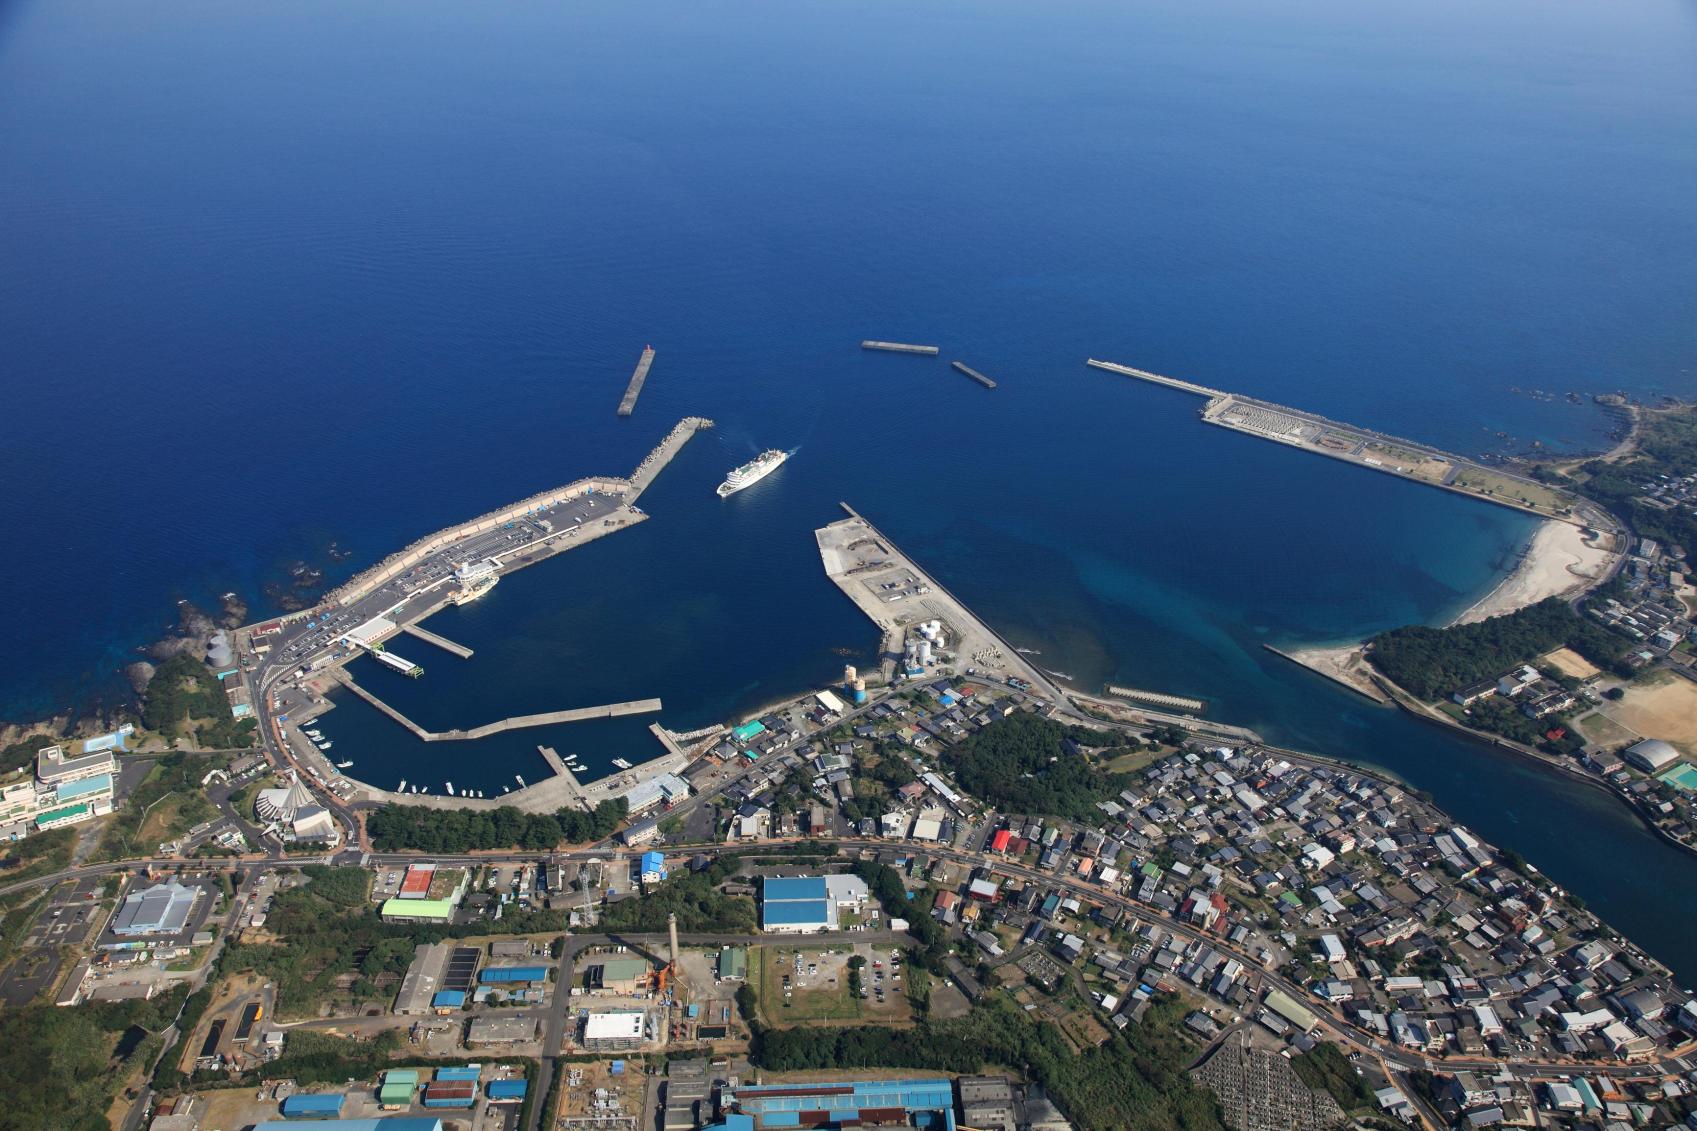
(637, 379)
(1155, 378)
(900, 347)
(362, 584)
(546, 718)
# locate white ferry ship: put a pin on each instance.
(752, 472)
(621, 763)
(474, 580)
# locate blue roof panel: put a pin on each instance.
(795, 912)
(793, 887)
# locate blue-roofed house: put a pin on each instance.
(653, 867)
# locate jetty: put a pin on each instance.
(545, 718)
(1377, 451)
(441, 642)
(974, 374)
(655, 461)
(1155, 378)
(634, 389)
(900, 347)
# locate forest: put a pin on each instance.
(1431, 663)
(398, 828)
(1020, 765)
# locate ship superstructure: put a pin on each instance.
(752, 472)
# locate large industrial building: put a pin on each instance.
(381, 1123)
(927, 1103)
(616, 1029)
(162, 909)
(803, 904)
(617, 976)
(1651, 755)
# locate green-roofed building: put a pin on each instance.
(399, 1084)
(733, 962)
(417, 911)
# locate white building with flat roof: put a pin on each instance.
(616, 1029)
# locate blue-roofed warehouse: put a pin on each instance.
(506, 1089)
(313, 1105)
(799, 904)
(927, 1103)
(501, 975)
(459, 1072)
(448, 999)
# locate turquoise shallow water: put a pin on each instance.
(277, 277)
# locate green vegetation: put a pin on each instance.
(695, 898)
(64, 1067)
(167, 1074)
(184, 689)
(1324, 1068)
(1433, 662)
(1668, 446)
(887, 888)
(169, 801)
(330, 931)
(37, 855)
(1135, 1081)
(1019, 765)
(22, 753)
(414, 827)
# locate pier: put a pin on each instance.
(634, 389)
(545, 718)
(974, 374)
(900, 347)
(405, 667)
(1182, 702)
(441, 642)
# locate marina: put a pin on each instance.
(900, 347)
(963, 367)
(627, 404)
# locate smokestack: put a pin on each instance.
(672, 931)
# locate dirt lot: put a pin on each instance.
(1568, 661)
(619, 1095)
(1663, 706)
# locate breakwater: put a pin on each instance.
(627, 404)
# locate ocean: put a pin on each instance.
(274, 279)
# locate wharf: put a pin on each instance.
(637, 379)
(1377, 451)
(545, 718)
(1182, 702)
(441, 642)
(875, 575)
(974, 374)
(900, 347)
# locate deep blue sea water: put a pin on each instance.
(276, 277)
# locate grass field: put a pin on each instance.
(822, 996)
(1484, 482)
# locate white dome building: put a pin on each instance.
(1652, 755)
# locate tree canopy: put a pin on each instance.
(1021, 764)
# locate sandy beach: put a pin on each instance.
(1343, 663)
(1557, 562)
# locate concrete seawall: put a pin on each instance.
(441, 642)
